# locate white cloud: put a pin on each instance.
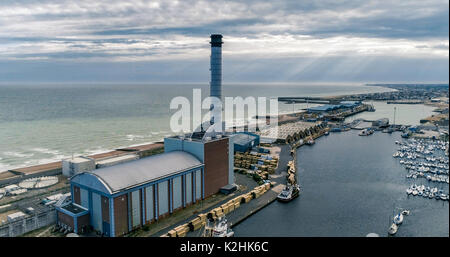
(147, 30)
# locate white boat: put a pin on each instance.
(398, 219)
(415, 192)
(218, 229)
(366, 132)
(289, 192)
(310, 141)
(221, 229)
(393, 229)
(409, 191)
(405, 212)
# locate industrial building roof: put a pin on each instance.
(326, 107)
(243, 138)
(350, 102)
(134, 173)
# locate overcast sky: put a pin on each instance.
(265, 41)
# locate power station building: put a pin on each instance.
(117, 199)
(121, 198)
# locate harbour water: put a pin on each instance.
(405, 114)
(350, 187)
(44, 123)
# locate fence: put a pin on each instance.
(27, 224)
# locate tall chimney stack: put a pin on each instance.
(216, 66)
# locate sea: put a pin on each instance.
(351, 186)
(42, 123)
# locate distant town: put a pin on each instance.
(420, 92)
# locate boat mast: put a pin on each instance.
(395, 109)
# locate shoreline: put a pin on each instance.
(43, 161)
(104, 151)
(46, 160)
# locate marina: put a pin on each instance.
(424, 159)
(360, 174)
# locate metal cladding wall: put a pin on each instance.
(135, 209)
(84, 197)
(76, 195)
(177, 196)
(198, 185)
(121, 215)
(163, 198)
(193, 147)
(106, 225)
(149, 204)
(189, 188)
(216, 165)
(96, 218)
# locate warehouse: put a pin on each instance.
(124, 197)
(350, 104)
(244, 141)
(324, 108)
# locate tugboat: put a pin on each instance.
(289, 192)
(393, 229)
(219, 228)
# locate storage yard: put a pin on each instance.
(286, 131)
